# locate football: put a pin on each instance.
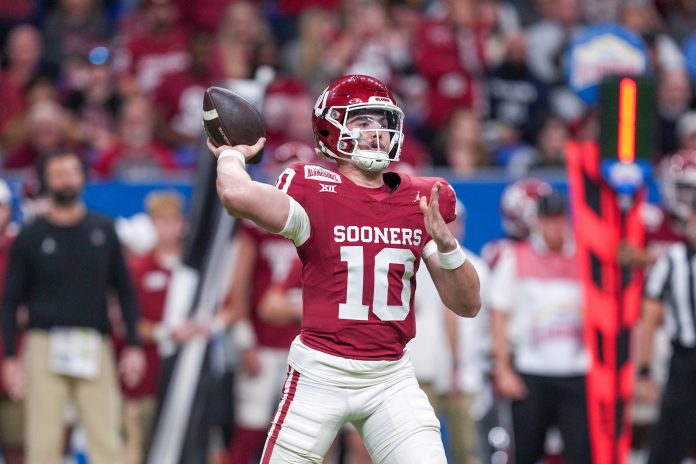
(229, 119)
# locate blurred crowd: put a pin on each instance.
(481, 81)
(120, 84)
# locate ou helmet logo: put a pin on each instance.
(320, 104)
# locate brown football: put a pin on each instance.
(229, 119)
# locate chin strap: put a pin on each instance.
(372, 164)
(368, 164)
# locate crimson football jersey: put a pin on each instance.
(361, 258)
(294, 278)
(275, 255)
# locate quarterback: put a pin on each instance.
(360, 233)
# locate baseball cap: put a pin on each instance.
(551, 204)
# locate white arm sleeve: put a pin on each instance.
(297, 228)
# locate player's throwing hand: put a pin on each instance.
(248, 151)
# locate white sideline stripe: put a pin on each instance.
(210, 114)
(180, 295)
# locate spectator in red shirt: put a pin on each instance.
(303, 57)
(151, 275)
(23, 55)
(178, 99)
(48, 128)
(285, 101)
(202, 15)
(244, 41)
(362, 46)
(136, 155)
(294, 7)
(14, 13)
(158, 50)
(461, 146)
(449, 55)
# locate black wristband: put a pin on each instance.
(643, 371)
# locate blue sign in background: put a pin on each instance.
(122, 199)
(481, 198)
(588, 38)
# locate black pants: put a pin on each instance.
(560, 401)
(676, 429)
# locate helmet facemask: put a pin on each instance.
(681, 204)
(371, 134)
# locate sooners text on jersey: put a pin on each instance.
(360, 260)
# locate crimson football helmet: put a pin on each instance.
(518, 205)
(677, 182)
(357, 119)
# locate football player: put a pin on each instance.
(360, 233)
(263, 259)
(677, 183)
(518, 212)
(666, 224)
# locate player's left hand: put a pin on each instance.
(434, 224)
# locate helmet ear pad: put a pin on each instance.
(326, 134)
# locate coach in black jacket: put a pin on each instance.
(62, 267)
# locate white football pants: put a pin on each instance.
(393, 416)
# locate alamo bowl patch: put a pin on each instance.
(322, 174)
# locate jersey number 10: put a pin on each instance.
(354, 308)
